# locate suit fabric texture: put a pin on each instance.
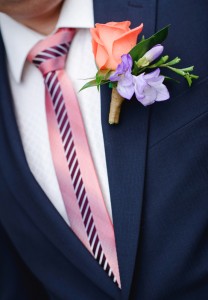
(157, 161)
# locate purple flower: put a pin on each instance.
(125, 86)
(150, 88)
(154, 53)
(150, 56)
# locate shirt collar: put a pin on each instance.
(19, 39)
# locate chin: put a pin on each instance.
(25, 9)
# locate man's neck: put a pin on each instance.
(44, 24)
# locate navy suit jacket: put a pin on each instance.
(157, 161)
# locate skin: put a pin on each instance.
(39, 15)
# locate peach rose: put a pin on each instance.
(111, 40)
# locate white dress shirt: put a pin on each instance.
(29, 96)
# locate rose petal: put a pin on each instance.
(125, 43)
(116, 39)
(101, 57)
(95, 36)
(94, 48)
(122, 25)
(108, 35)
(110, 63)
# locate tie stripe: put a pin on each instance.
(52, 84)
(51, 53)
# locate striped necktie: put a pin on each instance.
(71, 155)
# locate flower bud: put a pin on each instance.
(150, 56)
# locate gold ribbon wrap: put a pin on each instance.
(115, 107)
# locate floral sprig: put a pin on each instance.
(129, 68)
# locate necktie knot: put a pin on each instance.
(50, 54)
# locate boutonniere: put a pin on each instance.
(132, 68)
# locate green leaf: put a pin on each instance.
(142, 47)
(101, 78)
(94, 83)
(89, 84)
(102, 75)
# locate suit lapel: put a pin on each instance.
(125, 148)
(32, 199)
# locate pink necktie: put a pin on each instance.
(71, 155)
